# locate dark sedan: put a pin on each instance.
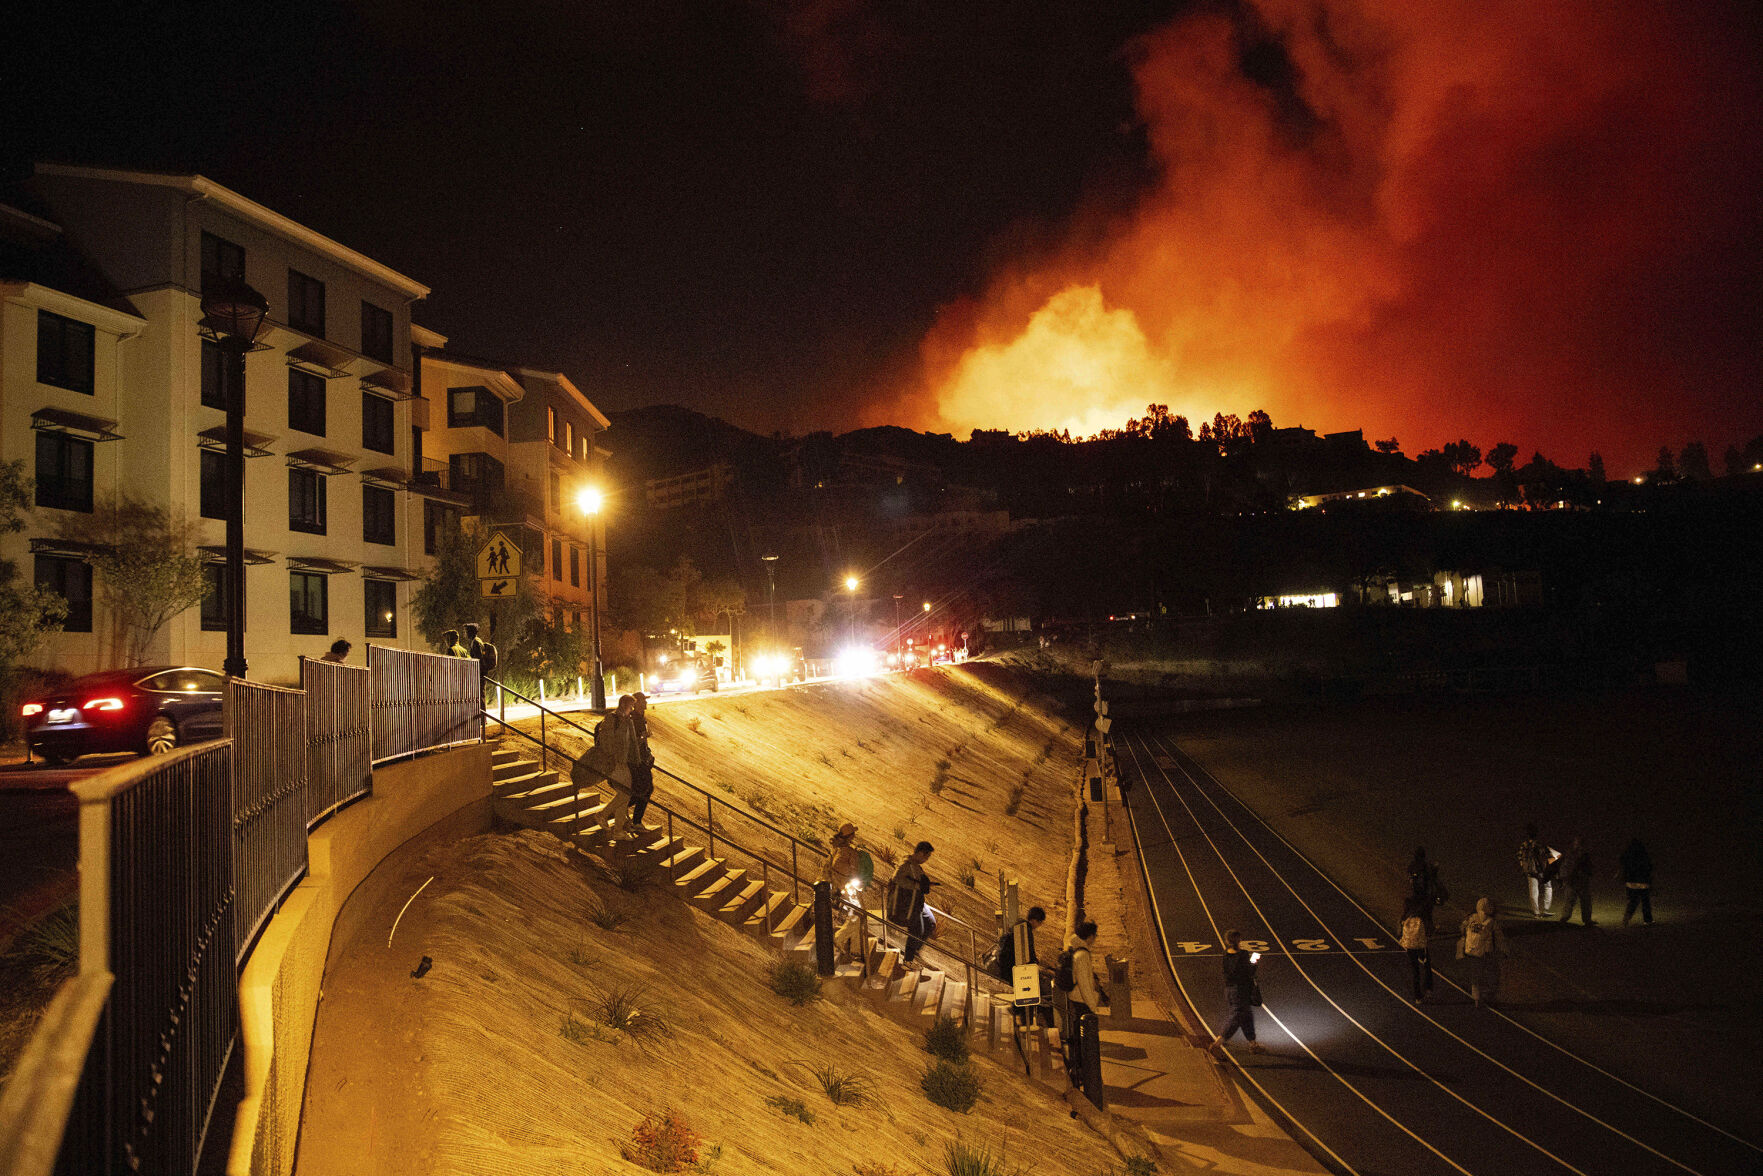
(148, 709)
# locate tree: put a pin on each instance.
(28, 614)
(1260, 426)
(1735, 461)
(1462, 456)
(1693, 462)
(146, 564)
(1666, 470)
(1390, 446)
(1501, 457)
(1595, 468)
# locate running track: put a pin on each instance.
(1370, 1083)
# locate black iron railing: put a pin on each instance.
(267, 725)
(422, 701)
(339, 748)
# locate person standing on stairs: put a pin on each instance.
(1009, 957)
(839, 871)
(906, 907)
(642, 762)
(615, 738)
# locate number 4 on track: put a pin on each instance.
(1194, 948)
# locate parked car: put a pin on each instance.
(687, 675)
(148, 709)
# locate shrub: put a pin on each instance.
(1141, 1166)
(664, 1144)
(784, 1104)
(885, 853)
(937, 784)
(963, 1159)
(608, 919)
(843, 1090)
(637, 874)
(50, 947)
(579, 1032)
(695, 725)
(952, 1086)
(899, 833)
(946, 1040)
(794, 980)
(582, 959)
(620, 1009)
(967, 879)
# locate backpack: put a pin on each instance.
(487, 659)
(1064, 978)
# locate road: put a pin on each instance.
(1372, 1083)
(39, 838)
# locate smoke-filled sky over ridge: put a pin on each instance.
(1494, 220)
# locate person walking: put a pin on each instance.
(1424, 885)
(610, 759)
(450, 644)
(1535, 860)
(1577, 877)
(483, 651)
(642, 763)
(1242, 992)
(339, 652)
(1481, 947)
(1636, 875)
(1414, 942)
(909, 888)
(1080, 1033)
(840, 871)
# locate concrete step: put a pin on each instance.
(953, 1003)
(794, 927)
(503, 755)
(509, 769)
(711, 898)
(700, 876)
(884, 969)
(685, 859)
(742, 903)
(904, 988)
(764, 916)
(930, 994)
(531, 783)
(580, 822)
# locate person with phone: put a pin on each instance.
(1242, 992)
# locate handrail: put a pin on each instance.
(796, 879)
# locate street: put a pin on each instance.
(39, 839)
(1367, 1079)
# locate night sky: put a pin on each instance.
(1493, 220)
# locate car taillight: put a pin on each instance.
(107, 703)
(29, 709)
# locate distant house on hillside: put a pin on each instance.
(1392, 494)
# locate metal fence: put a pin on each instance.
(339, 755)
(422, 701)
(157, 910)
(267, 726)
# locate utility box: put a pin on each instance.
(1119, 989)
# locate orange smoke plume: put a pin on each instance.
(1499, 219)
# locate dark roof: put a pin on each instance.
(32, 250)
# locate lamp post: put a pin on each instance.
(897, 649)
(770, 559)
(851, 583)
(590, 500)
(234, 313)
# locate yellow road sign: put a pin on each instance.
(498, 560)
(496, 587)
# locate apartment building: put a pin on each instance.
(514, 447)
(110, 385)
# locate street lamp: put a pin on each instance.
(851, 583)
(897, 650)
(234, 314)
(770, 559)
(589, 500)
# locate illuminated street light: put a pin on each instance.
(589, 500)
(927, 606)
(851, 583)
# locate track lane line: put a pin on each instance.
(1317, 1058)
(1292, 958)
(1175, 973)
(1379, 981)
(1588, 1063)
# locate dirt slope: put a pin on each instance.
(937, 755)
(469, 1069)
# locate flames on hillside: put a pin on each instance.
(1443, 219)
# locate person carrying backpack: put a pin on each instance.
(482, 650)
(1534, 861)
(607, 763)
(1414, 942)
(1076, 977)
(1006, 953)
(1481, 947)
(1242, 992)
(1424, 885)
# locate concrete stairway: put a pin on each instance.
(917, 995)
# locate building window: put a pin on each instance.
(309, 603)
(64, 472)
(306, 501)
(305, 303)
(376, 332)
(221, 259)
(557, 559)
(71, 579)
(305, 402)
(551, 424)
(476, 474)
(216, 602)
(556, 492)
(214, 376)
(376, 424)
(569, 436)
(213, 484)
(437, 517)
(382, 608)
(379, 514)
(65, 352)
(575, 567)
(467, 407)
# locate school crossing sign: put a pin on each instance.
(498, 567)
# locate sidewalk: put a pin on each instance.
(1153, 1070)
